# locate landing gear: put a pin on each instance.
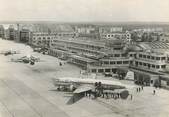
(32, 63)
(58, 88)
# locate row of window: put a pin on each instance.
(42, 38)
(150, 65)
(115, 62)
(112, 35)
(103, 70)
(151, 57)
(117, 55)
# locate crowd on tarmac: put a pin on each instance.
(99, 92)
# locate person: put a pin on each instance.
(139, 89)
(89, 93)
(86, 93)
(107, 95)
(142, 87)
(131, 96)
(112, 95)
(118, 95)
(73, 100)
(103, 94)
(154, 92)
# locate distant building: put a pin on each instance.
(157, 46)
(125, 36)
(42, 34)
(2, 31)
(11, 33)
(87, 31)
(164, 38)
(41, 39)
(155, 29)
(110, 29)
(25, 35)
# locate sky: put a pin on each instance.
(85, 10)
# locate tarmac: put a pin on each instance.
(28, 91)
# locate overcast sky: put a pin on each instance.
(85, 10)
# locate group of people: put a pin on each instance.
(139, 89)
(104, 94)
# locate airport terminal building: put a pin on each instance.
(111, 57)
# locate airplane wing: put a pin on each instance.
(83, 88)
(16, 60)
(15, 52)
(62, 84)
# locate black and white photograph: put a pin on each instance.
(84, 58)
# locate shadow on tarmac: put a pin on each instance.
(75, 98)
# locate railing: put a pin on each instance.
(150, 60)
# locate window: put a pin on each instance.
(106, 62)
(157, 66)
(152, 57)
(163, 58)
(125, 62)
(119, 62)
(151, 81)
(131, 62)
(100, 70)
(123, 55)
(163, 66)
(149, 66)
(153, 66)
(114, 70)
(107, 70)
(112, 62)
(148, 57)
(144, 64)
(117, 55)
(144, 56)
(157, 58)
(94, 70)
(140, 63)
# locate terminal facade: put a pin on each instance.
(111, 57)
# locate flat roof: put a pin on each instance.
(83, 58)
(158, 54)
(87, 42)
(154, 45)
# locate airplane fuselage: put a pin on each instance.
(105, 83)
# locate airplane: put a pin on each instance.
(41, 50)
(27, 59)
(9, 52)
(79, 85)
